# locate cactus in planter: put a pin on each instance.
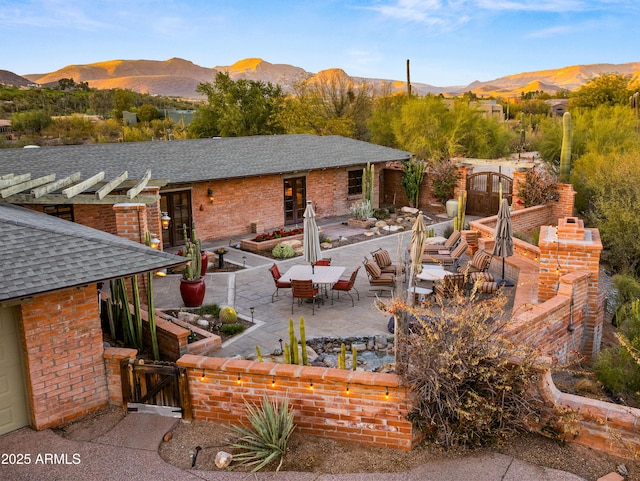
(565, 152)
(342, 357)
(354, 358)
(192, 248)
(303, 343)
(458, 221)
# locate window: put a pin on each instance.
(61, 211)
(355, 182)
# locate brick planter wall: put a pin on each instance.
(112, 357)
(266, 245)
(323, 406)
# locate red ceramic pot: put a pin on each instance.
(204, 259)
(192, 292)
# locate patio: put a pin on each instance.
(254, 287)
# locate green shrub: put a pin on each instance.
(444, 179)
(266, 440)
(448, 231)
(283, 251)
(228, 315)
(231, 329)
(361, 210)
(381, 214)
(209, 310)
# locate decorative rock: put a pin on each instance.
(410, 210)
(370, 345)
(369, 233)
(295, 243)
(326, 245)
(188, 317)
(203, 322)
(434, 240)
(223, 459)
(392, 228)
(342, 238)
(360, 346)
(381, 224)
(167, 436)
(380, 341)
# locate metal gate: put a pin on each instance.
(483, 192)
(155, 387)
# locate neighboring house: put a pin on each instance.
(228, 186)
(51, 348)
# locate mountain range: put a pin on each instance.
(177, 77)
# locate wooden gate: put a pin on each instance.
(160, 384)
(483, 192)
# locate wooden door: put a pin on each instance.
(178, 206)
(295, 200)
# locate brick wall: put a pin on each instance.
(98, 216)
(323, 406)
(62, 341)
(112, 357)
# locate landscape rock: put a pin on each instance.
(326, 245)
(435, 240)
(381, 224)
(295, 243)
(409, 210)
(223, 459)
(189, 317)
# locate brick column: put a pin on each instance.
(463, 172)
(154, 223)
(564, 206)
(131, 221)
(567, 248)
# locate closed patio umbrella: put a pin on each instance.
(503, 246)
(311, 237)
(418, 236)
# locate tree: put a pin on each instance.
(147, 113)
(122, 100)
(31, 122)
(386, 109)
(239, 107)
(605, 89)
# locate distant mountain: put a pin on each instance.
(179, 78)
(9, 78)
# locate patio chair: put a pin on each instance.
(275, 272)
(448, 245)
(378, 280)
(450, 285)
(449, 260)
(383, 259)
(303, 290)
(346, 285)
(323, 262)
(479, 263)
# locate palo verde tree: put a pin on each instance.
(238, 108)
(605, 89)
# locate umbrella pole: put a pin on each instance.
(504, 282)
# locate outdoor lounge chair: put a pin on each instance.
(303, 290)
(450, 285)
(378, 280)
(479, 263)
(383, 259)
(323, 262)
(275, 272)
(346, 285)
(450, 259)
(449, 244)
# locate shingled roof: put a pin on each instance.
(184, 161)
(41, 253)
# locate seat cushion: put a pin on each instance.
(372, 269)
(480, 261)
(487, 287)
(383, 259)
(481, 277)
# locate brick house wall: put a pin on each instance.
(62, 345)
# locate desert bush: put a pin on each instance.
(266, 440)
(231, 329)
(361, 210)
(283, 251)
(444, 178)
(381, 214)
(465, 386)
(538, 188)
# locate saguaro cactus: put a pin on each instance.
(367, 183)
(565, 153)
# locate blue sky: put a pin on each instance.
(449, 42)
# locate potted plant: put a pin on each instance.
(192, 286)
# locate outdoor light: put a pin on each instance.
(348, 389)
(202, 377)
(210, 195)
(273, 382)
(386, 395)
(154, 243)
(164, 220)
(251, 309)
(162, 273)
(311, 385)
(239, 379)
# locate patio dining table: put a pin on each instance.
(325, 276)
(431, 273)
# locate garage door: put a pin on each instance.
(14, 413)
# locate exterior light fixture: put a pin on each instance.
(164, 220)
(154, 243)
(210, 195)
(252, 309)
(202, 378)
(162, 273)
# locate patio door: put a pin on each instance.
(178, 206)
(295, 199)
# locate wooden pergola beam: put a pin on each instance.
(30, 184)
(82, 186)
(53, 186)
(112, 184)
(13, 180)
(89, 199)
(131, 193)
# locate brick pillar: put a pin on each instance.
(154, 224)
(519, 178)
(131, 223)
(567, 248)
(564, 206)
(463, 172)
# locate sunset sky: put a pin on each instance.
(449, 42)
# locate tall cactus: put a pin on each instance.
(565, 153)
(293, 343)
(303, 343)
(192, 249)
(354, 358)
(367, 183)
(458, 221)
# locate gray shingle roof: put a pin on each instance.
(202, 159)
(40, 253)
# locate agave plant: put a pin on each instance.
(266, 440)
